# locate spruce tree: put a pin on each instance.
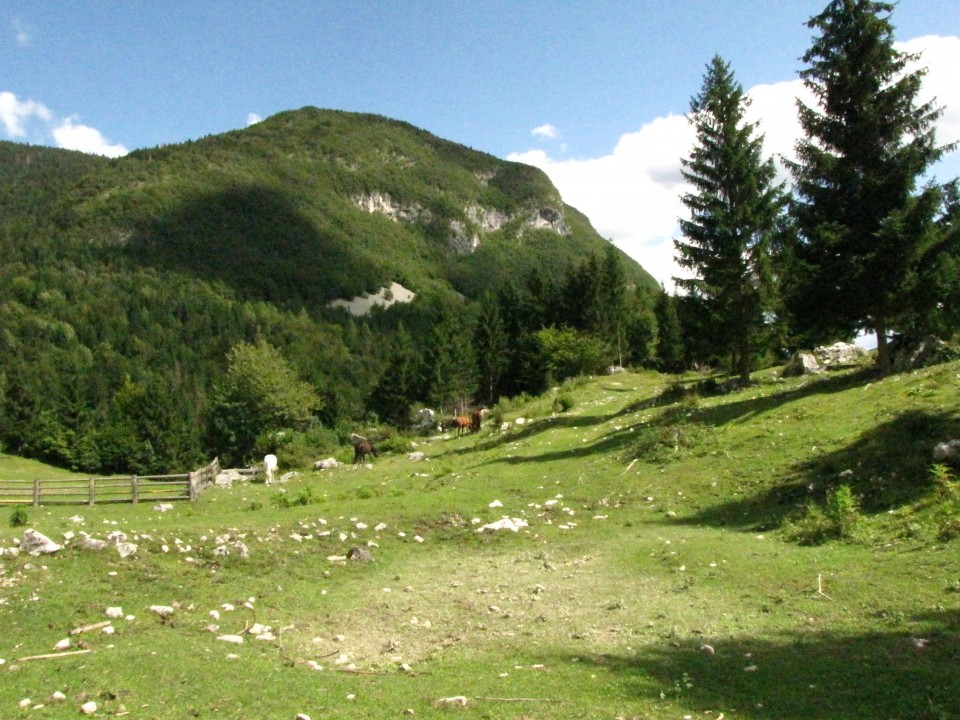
(669, 346)
(862, 225)
(733, 208)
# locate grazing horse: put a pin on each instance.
(476, 418)
(362, 448)
(461, 423)
(269, 468)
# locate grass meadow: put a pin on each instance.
(684, 556)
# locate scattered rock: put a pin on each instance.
(359, 554)
(455, 701)
(286, 477)
(948, 451)
(234, 639)
(506, 523)
(163, 507)
(126, 549)
(36, 543)
(802, 363)
(94, 544)
(327, 464)
(57, 697)
(88, 708)
(164, 611)
(417, 456)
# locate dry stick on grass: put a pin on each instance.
(820, 587)
(518, 699)
(87, 628)
(50, 656)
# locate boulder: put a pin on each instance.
(227, 478)
(948, 451)
(907, 354)
(326, 464)
(417, 456)
(839, 355)
(36, 543)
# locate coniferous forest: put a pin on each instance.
(174, 304)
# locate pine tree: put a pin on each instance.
(868, 141)
(397, 388)
(490, 344)
(669, 347)
(733, 208)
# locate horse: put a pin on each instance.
(461, 423)
(476, 418)
(269, 468)
(362, 448)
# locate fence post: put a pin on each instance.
(135, 489)
(192, 490)
(91, 493)
(36, 491)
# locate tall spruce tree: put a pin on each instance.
(862, 225)
(733, 208)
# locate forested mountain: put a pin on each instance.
(126, 284)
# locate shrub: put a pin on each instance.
(562, 403)
(843, 511)
(19, 518)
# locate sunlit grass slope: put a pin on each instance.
(670, 566)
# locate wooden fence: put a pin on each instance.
(93, 490)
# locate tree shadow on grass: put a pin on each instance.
(886, 467)
(800, 676)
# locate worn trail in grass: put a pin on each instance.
(659, 575)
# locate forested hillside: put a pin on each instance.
(126, 284)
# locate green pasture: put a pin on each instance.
(683, 557)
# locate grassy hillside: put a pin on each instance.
(680, 559)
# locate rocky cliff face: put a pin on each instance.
(464, 235)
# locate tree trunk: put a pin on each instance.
(883, 349)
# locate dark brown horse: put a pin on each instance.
(476, 418)
(362, 448)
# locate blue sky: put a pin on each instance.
(591, 91)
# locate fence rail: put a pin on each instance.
(93, 490)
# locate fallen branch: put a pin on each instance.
(50, 656)
(820, 587)
(87, 628)
(358, 671)
(518, 699)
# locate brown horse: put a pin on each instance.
(461, 423)
(362, 448)
(476, 418)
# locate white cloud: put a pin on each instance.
(74, 136)
(253, 119)
(632, 195)
(14, 112)
(20, 33)
(941, 57)
(547, 131)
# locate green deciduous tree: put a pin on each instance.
(733, 207)
(260, 394)
(862, 224)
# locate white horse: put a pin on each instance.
(269, 467)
